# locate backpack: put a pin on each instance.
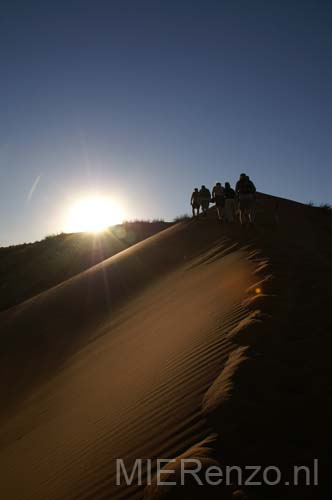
(218, 191)
(205, 194)
(245, 186)
(229, 193)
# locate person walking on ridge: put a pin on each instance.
(219, 199)
(195, 203)
(204, 199)
(229, 211)
(245, 192)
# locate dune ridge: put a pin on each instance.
(271, 403)
(157, 349)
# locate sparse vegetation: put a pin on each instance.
(182, 218)
(143, 221)
(324, 207)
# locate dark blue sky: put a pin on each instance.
(144, 100)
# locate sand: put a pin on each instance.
(202, 330)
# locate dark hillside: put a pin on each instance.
(31, 268)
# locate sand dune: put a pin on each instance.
(154, 349)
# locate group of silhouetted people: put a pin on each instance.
(228, 201)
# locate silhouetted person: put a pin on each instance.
(245, 191)
(219, 199)
(229, 210)
(195, 202)
(204, 199)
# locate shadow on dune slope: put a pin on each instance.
(280, 408)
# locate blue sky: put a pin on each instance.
(144, 100)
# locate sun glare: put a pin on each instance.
(93, 214)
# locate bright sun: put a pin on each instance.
(94, 213)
